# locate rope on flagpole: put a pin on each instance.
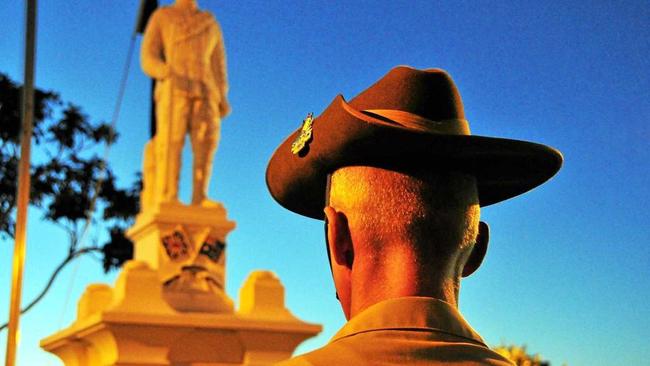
(116, 114)
(107, 148)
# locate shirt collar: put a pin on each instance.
(415, 313)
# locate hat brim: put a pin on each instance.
(342, 136)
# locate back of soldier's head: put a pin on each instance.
(432, 213)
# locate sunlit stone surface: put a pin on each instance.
(168, 305)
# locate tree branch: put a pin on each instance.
(56, 272)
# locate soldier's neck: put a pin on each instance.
(375, 281)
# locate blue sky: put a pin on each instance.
(568, 269)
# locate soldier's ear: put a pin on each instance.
(339, 238)
(480, 249)
(339, 241)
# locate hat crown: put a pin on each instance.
(409, 118)
(429, 93)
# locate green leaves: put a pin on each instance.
(71, 182)
(117, 251)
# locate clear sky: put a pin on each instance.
(568, 270)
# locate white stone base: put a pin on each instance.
(132, 325)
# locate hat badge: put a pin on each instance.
(305, 135)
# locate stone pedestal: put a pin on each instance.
(132, 324)
(169, 307)
(186, 246)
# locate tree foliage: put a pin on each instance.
(71, 182)
(520, 356)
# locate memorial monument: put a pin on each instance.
(169, 305)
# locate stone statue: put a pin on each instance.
(183, 50)
(168, 305)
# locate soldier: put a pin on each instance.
(399, 181)
(183, 50)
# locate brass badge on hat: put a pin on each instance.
(305, 135)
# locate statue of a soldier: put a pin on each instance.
(183, 50)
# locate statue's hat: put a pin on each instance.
(409, 119)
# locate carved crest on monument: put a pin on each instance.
(176, 246)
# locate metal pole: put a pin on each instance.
(22, 195)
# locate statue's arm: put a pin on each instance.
(219, 69)
(152, 57)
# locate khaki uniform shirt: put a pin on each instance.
(404, 331)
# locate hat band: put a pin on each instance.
(416, 122)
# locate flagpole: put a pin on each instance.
(22, 195)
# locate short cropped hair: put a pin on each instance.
(435, 213)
